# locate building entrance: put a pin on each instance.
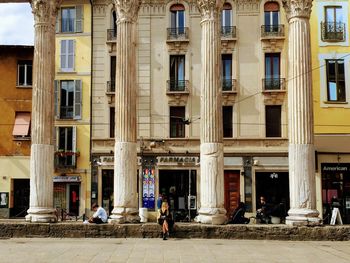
(232, 193)
(20, 198)
(107, 190)
(179, 188)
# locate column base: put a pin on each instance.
(41, 215)
(213, 216)
(122, 215)
(303, 217)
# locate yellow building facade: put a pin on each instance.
(72, 107)
(331, 92)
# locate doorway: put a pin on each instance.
(107, 190)
(74, 193)
(232, 190)
(21, 190)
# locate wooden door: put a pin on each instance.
(231, 183)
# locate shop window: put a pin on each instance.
(333, 28)
(25, 73)
(66, 153)
(227, 121)
(177, 73)
(335, 80)
(70, 20)
(272, 79)
(21, 128)
(226, 72)
(111, 122)
(67, 55)
(177, 122)
(273, 120)
(68, 99)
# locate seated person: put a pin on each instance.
(238, 215)
(100, 215)
(165, 220)
(263, 214)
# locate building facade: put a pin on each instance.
(253, 59)
(15, 128)
(330, 63)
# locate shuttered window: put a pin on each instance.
(68, 99)
(67, 55)
(70, 20)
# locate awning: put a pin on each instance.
(332, 143)
(22, 123)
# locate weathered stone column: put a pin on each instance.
(300, 116)
(125, 152)
(42, 149)
(212, 209)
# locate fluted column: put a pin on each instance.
(212, 209)
(125, 153)
(301, 141)
(42, 148)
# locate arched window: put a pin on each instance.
(271, 16)
(226, 15)
(177, 16)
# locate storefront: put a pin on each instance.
(20, 197)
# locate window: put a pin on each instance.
(177, 73)
(112, 74)
(67, 55)
(272, 79)
(335, 80)
(21, 128)
(333, 28)
(111, 122)
(226, 19)
(177, 21)
(177, 122)
(227, 121)
(273, 120)
(68, 99)
(271, 17)
(66, 147)
(226, 72)
(25, 73)
(71, 20)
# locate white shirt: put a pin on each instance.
(101, 213)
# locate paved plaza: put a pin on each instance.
(173, 250)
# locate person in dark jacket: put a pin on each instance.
(238, 215)
(165, 220)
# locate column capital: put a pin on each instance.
(45, 11)
(297, 8)
(209, 9)
(127, 10)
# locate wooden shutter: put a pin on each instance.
(77, 99)
(79, 11)
(70, 55)
(58, 21)
(74, 143)
(57, 98)
(64, 54)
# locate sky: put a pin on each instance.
(16, 24)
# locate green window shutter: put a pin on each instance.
(77, 99)
(74, 143)
(58, 21)
(79, 21)
(64, 54)
(57, 98)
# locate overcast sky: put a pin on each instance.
(16, 24)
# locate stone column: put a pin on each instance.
(42, 149)
(212, 209)
(125, 152)
(300, 116)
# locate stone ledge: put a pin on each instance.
(9, 229)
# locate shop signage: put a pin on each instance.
(66, 179)
(176, 160)
(107, 160)
(335, 167)
(148, 183)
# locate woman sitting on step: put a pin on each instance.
(165, 220)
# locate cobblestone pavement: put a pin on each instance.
(173, 250)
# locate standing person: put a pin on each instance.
(165, 220)
(100, 215)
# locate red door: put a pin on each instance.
(231, 182)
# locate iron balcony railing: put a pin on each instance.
(272, 31)
(274, 84)
(333, 31)
(177, 86)
(111, 34)
(177, 33)
(228, 32)
(65, 161)
(111, 86)
(229, 84)
(66, 112)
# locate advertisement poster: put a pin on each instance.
(145, 188)
(148, 196)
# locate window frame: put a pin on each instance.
(25, 64)
(65, 55)
(270, 122)
(336, 76)
(227, 127)
(178, 121)
(68, 160)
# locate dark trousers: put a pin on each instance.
(97, 220)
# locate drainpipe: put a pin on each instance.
(91, 51)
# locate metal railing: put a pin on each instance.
(228, 32)
(229, 85)
(66, 161)
(110, 86)
(66, 112)
(274, 84)
(177, 33)
(111, 34)
(175, 86)
(333, 31)
(272, 31)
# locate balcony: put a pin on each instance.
(272, 32)
(111, 35)
(274, 84)
(110, 87)
(229, 85)
(66, 112)
(177, 87)
(228, 33)
(66, 159)
(332, 31)
(177, 34)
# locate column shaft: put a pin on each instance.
(125, 151)
(42, 149)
